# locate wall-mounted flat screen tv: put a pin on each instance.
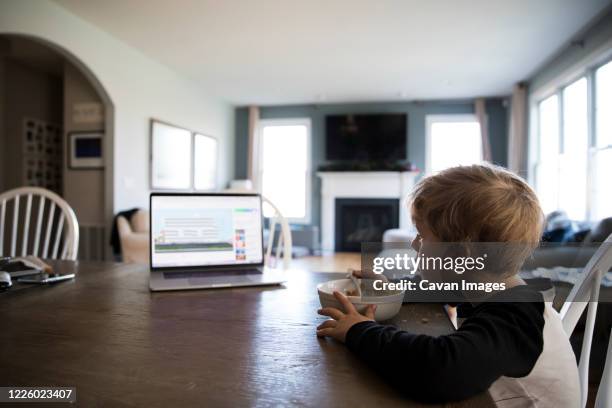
(375, 137)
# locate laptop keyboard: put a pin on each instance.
(224, 275)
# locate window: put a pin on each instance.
(574, 144)
(452, 140)
(603, 105)
(284, 167)
(574, 151)
(182, 159)
(602, 155)
(548, 148)
(205, 162)
(170, 156)
(563, 151)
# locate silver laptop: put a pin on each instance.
(207, 241)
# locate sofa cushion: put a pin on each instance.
(140, 221)
(601, 231)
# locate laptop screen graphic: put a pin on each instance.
(194, 230)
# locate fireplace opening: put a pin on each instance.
(363, 220)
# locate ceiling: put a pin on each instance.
(285, 51)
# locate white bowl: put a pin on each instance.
(388, 303)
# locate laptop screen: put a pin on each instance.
(205, 230)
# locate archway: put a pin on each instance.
(106, 175)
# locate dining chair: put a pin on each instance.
(284, 237)
(42, 207)
(585, 293)
(604, 393)
(283, 241)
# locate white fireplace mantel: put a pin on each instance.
(361, 184)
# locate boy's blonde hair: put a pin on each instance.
(479, 203)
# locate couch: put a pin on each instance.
(134, 237)
(571, 254)
(548, 255)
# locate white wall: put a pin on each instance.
(140, 88)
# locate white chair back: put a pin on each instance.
(586, 293)
(42, 207)
(283, 241)
(604, 393)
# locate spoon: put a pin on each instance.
(355, 282)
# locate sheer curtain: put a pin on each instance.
(517, 132)
(481, 115)
(252, 156)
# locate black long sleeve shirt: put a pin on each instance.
(498, 339)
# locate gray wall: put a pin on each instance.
(27, 93)
(83, 188)
(416, 111)
(3, 142)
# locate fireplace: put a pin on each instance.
(352, 185)
(363, 220)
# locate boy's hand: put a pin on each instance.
(340, 322)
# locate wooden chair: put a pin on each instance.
(41, 206)
(283, 241)
(586, 293)
(604, 393)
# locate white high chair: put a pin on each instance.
(586, 293)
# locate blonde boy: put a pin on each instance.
(517, 351)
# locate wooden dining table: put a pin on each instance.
(121, 345)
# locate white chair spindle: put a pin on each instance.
(272, 229)
(15, 226)
(26, 226)
(2, 218)
(284, 238)
(41, 208)
(58, 234)
(279, 244)
(587, 340)
(45, 253)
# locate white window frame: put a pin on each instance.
(307, 219)
(430, 120)
(585, 68)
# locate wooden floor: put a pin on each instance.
(332, 262)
